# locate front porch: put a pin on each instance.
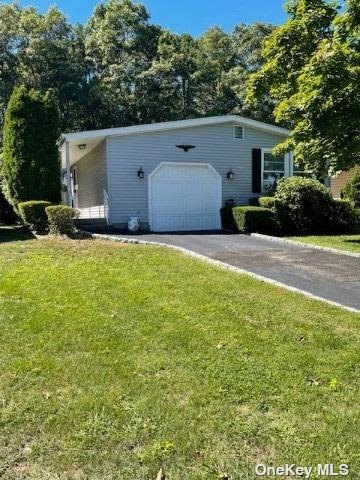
(84, 174)
(95, 212)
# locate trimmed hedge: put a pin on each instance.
(265, 202)
(305, 206)
(33, 214)
(268, 202)
(254, 201)
(344, 217)
(254, 219)
(227, 218)
(61, 219)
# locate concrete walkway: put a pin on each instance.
(331, 276)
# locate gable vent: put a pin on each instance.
(239, 132)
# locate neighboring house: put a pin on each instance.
(173, 176)
(337, 182)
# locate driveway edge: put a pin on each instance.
(306, 245)
(222, 265)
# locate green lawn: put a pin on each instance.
(118, 359)
(341, 242)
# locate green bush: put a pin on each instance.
(254, 201)
(227, 218)
(7, 214)
(303, 206)
(344, 217)
(61, 219)
(33, 214)
(254, 219)
(351, 190)
(267, 202)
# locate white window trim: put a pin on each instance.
(292, 165)
(287, 165)
(291, 155)
(243, 132)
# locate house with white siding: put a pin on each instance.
(172, 176)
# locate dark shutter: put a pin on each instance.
(256, 170)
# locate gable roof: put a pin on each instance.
(173, 125)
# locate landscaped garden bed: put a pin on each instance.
(299, 207)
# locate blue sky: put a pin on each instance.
(192, 16)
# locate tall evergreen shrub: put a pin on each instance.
(31, 166)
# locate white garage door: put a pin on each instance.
(184, 196)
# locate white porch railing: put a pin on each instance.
(97, 211)
(106, 206)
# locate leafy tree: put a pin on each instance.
(120, 69)
(120, 44)
(215, 59)
(174, 68)
(52, 57)
(289, 48)
(31, 167)
(42, 51)
(326, 134)
(9, 27)
(247, 44)
(312, 71)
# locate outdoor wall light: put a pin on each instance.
(82, 146)
(230, 175)
(141, 173)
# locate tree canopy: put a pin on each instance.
(312, 72)
(121, 69)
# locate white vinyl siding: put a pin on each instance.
(214, 145)
(91, 175)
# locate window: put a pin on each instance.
(273, 168)
(239, 132)
(298, 171)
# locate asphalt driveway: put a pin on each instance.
(332, 276)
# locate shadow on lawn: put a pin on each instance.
(14, 233)
(353, 241)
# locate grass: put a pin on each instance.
(349, 243)
(116, 360)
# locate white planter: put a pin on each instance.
(133, 224)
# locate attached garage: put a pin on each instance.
(184, 197)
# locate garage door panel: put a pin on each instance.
(185, 197)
